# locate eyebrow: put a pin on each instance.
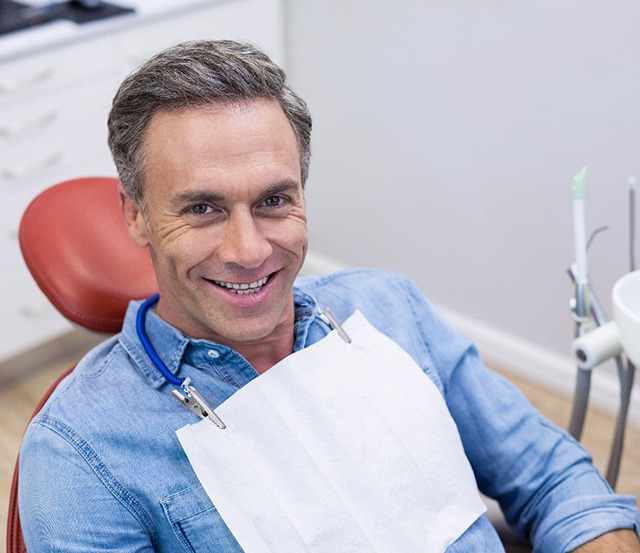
(283, 186)
(196, 196)
(209, 196)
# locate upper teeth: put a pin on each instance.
(243, 286)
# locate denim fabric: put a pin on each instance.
(102, 469)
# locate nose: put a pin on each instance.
(244, 243)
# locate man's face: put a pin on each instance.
(225, 219)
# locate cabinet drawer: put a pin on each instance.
(55, 136)
(32, 76)
(81, 167)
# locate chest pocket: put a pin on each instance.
(196, 522)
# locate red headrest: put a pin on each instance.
(75, 243)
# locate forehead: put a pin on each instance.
(221, 143)
(229, 126)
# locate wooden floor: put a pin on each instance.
(19, 397)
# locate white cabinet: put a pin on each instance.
(54, 104)
(45, 100)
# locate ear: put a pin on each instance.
(133, 219)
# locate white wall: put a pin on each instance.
(446, 136)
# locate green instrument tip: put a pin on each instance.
(577, 189)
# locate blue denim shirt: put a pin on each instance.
(102, 469)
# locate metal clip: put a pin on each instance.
(329, 319)
(193, 401)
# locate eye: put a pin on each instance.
(274, 205)
(200, 209)
(273, 201)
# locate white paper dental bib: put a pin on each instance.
(338, 448)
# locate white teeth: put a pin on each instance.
(244, 288)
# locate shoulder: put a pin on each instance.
(378, 293)
(357, 283)
(395, 305)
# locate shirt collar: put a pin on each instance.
(171, 344)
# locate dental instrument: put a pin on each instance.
(581, 304)
(580, 243)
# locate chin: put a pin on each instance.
(244, 331)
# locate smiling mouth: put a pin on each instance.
(242, 289)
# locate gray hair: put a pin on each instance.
(194, 74)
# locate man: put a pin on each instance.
(212, 149)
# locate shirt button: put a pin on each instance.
(213, 353)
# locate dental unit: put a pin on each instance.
(596, 338)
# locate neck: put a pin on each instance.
(267, 352)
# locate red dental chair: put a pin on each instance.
(76, 246)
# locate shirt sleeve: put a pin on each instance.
(55, 465)
(544, 480)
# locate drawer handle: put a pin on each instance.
(16, 130)
(27, 169)
(18, 83)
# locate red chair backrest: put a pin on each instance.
(77, 248)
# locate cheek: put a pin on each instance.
(291, 238)
(298, 235)
(183, 252)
